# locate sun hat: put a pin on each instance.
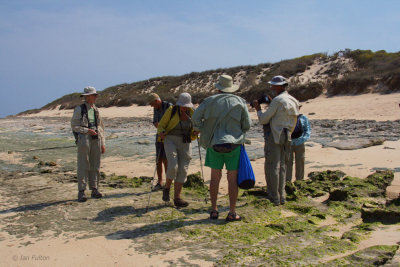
(151, 97)
(89, 90)
(184, 100)
(225, 84)
(278, 80)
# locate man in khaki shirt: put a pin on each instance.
(88, 125)
(281, 117)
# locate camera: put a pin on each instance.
(264, 99)
(186, 138)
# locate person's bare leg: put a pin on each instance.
(177, 190)
(165, 161)
(214, 187)
(168, 183)
(159, 171)
(233, 190)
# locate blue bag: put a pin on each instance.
(246, 178)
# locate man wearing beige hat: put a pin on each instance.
(223, 120)
(159, 107)
(282, 117)
(88, 127)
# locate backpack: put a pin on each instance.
(298, 130)
(174, 110)
(84, 112)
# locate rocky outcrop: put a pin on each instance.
(353, 134)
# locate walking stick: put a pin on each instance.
(152, 181)
(201, 166)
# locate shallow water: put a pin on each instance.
(134, 137)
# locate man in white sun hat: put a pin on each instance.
(282, 117)
(223, 120)
(88, 128)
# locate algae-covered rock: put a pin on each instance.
(341, 187)
(292, 225)
(312, 188)
(394, 204)
(194, 181)
(371, 256)
(381, 179)
(352, 236)
(353, 187)
(380, 215)
(291, 191)
(326, 175)
(257, 191)
(303, 208)
(339, 194)
(262, 203)
(122, 181)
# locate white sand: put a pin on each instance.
(362, 107)
(111, 112)
(97, 251)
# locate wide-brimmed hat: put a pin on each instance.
(278, 80)
(184, 100)
(151, 97)
(225, 84)
(89, 90)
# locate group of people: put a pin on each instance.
(221, 121)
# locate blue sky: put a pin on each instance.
(49, 48)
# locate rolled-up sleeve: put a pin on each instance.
(265, 117)
(198, 118)
(246, 120)
(76, 122)
(100, 129)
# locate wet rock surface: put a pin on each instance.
(372, 256)
(349, 134)
(354, 134)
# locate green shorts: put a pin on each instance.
(216, 160)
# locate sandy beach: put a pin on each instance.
(64, 250)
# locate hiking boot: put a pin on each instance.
(180, 203)
(157, 187)
(81, 196)
(96, 194)
(165, 194)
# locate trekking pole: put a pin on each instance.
(152, 180)
(201, 166)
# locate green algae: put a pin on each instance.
(122, 181)
(371, 256)
(263, 235)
